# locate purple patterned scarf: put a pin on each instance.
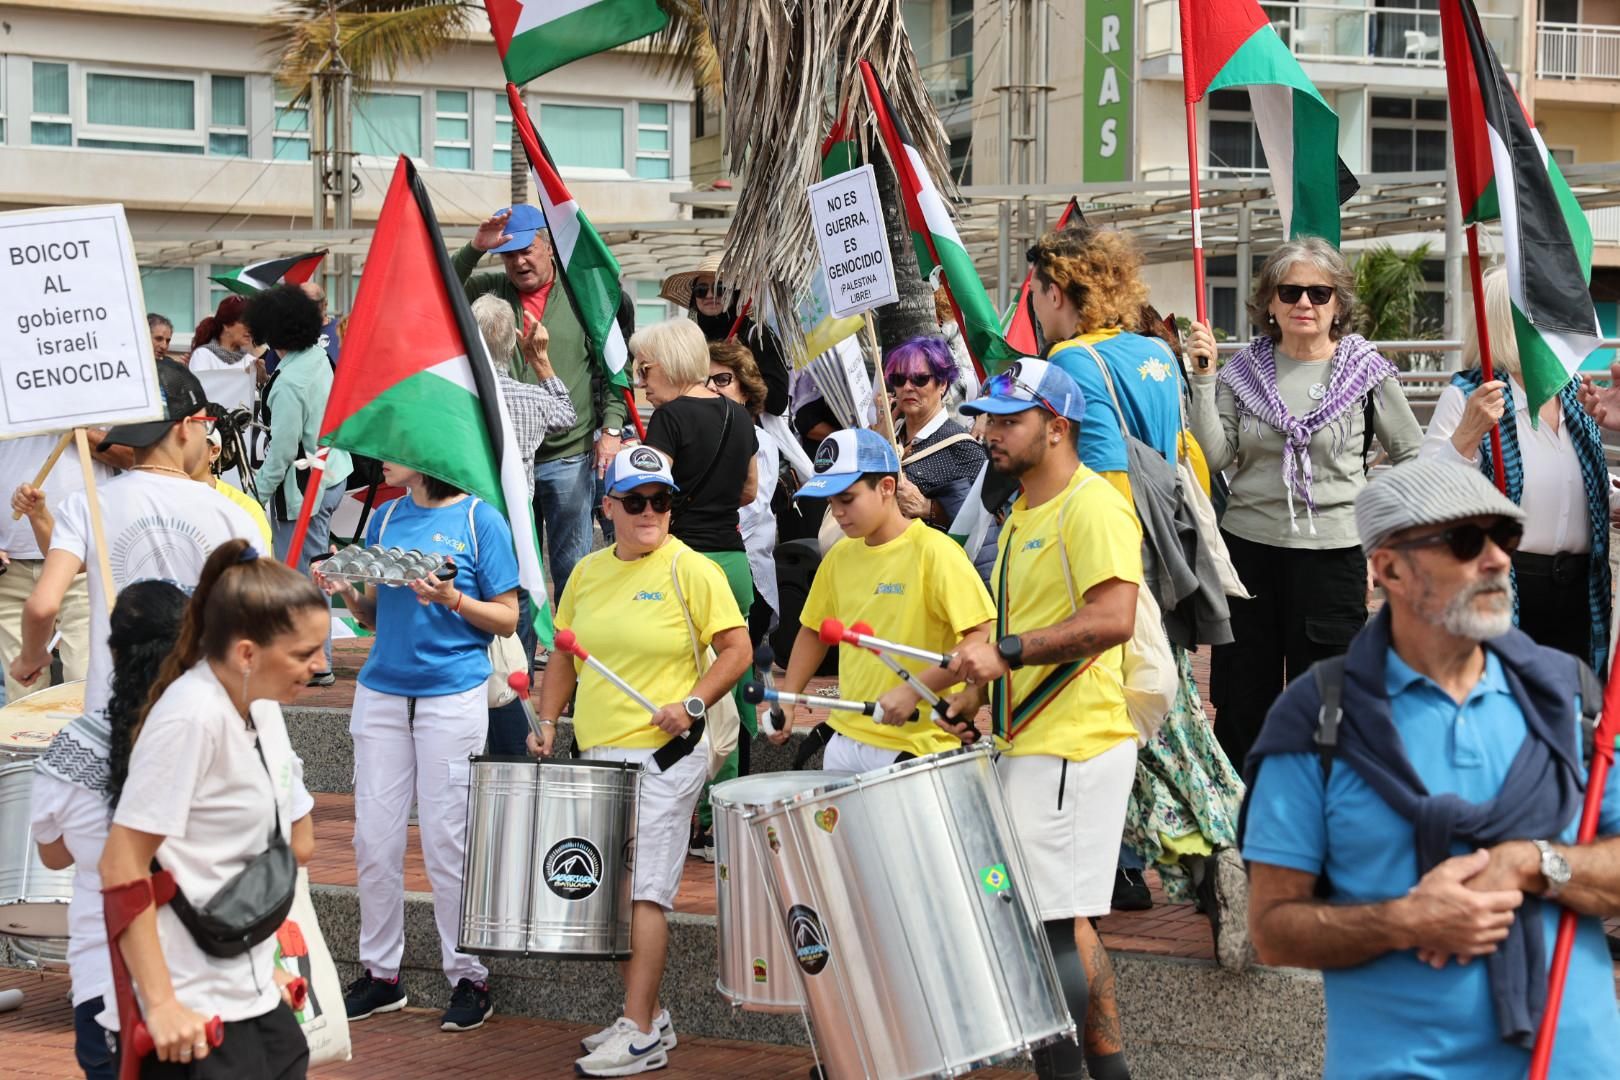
(1356, 371)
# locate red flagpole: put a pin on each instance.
(312, 490)
(635, 414)
(1192, 197)
(1484, 337)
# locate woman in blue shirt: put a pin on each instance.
(420, 712)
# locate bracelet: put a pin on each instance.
(460, 596)
(547, 723)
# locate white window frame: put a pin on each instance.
(667, 154)
(79, 75)
(634, 289)
(8, 133)
(37, 117)
(451, 144)
(1245, 116)
(422, 120)
(289, 135)
(245, 129)
(627, 132)
(498, 145)
(1410, 125)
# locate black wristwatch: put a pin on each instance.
(694, 708)
(1011, 650)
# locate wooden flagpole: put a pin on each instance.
(1484, 336)
(81, 442)
(50, 463)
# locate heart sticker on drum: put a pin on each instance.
(827, 819)
(725, 874)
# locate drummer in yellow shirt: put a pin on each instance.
(910, 583)
(1067, 569)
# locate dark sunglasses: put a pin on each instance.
(919, 380)
(1466, 541)
(636, 503)
(721, 379)
(702, 290)
(1319, 294)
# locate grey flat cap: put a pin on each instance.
(1426, 493)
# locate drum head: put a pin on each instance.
(762, 789)
(28, 724)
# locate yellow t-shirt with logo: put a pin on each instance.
(918, 589)
(1086, 715)
(626, 615)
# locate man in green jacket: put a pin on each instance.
(567, 463)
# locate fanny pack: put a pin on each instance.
(250, 907)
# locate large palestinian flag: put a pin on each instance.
(535, 36)
(416, 385)
(293, 270)
(1231, 43)
(1504, 171)
(939, 248)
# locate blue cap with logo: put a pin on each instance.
(845, 456)
(526, 220)
(637, 465)
(1030, 384)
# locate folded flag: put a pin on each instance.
(293, 270)
(536, 36)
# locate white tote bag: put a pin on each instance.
(723, 724)
(301, 950)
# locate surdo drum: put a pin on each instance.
(33, 900)
(905, 903)
(550, 846)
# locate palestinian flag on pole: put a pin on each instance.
(416, 384)
(293, 270)
(590, 272)
(536, 36)
(939, 248)
(1231, 43)
(1021, 333)
(1504, 171)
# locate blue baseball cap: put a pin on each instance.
(637, 465)
(526, 220)
(845, 456)
(1030, 384)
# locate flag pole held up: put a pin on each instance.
(312, 495)
(1197, 213)
(1484, 336)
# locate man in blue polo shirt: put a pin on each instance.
(1442, 823)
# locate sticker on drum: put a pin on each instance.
(773, 840)
(994, 880)
(573, 868)
(28, 724)
(827, 819)
(761, 971)
(809, 938)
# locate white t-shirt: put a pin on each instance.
(758, 522)
(20, 460)
(195, 779)
(157, 526)
(64, 811)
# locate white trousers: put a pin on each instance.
(847, 755)
(394, 757)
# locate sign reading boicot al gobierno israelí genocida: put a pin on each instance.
(854, 248)
(74, 348)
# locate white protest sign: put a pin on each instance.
(853, 246)
(74, 348)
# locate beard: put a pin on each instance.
(1015, 466)
(1465, 618)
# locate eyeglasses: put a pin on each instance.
(918, 379)
(209, 423)
(636, 503)
(721, 379)
(641, 371)
(1466, 541)
(702, 290)
(1319, 294)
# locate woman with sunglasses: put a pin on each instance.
(714, 308)
(1555, 470)
(1293, 417)
(733, 373)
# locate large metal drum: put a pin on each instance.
(757, 971)
(903, 894)
(549, 856)
(33, 900)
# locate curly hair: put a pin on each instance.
(739, 360)
(1316, 252)
(1099, 270)
(141, 631)
(284, 318)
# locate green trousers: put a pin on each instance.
(741, 580)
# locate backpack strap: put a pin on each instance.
(1591, 708)
(1329, 676)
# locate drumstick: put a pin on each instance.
(519, 681)
(753, 693)
(764, 661)
(140, 1040)
(942, 708)
(834, 633)
(568, 643)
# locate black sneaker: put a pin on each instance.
(367, 996)
(701, 845)
(469, 1007)
(1131, 891)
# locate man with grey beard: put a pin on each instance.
(1413, 806)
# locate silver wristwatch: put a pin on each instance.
(1554, 867)
(695, 708)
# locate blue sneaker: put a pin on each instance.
(469, 1007)
(367, 996)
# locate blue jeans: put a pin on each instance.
(316, 540)
(92, 1043)
(562, 513)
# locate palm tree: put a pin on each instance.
(1388, 284)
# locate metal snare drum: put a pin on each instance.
(757, 971)
(28, 724)
(39, 954)
(33, 900)
(548, 865)
(903, 894)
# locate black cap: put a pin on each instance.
(183, 396)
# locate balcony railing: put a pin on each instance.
(1346, 33)
(1573, 51)
(1605, 222)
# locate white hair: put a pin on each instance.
(499, 327)
(1498, 323)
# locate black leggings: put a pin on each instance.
(268, 1047)
(1064, 1060)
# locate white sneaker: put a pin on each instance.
(628, 1051)
(661, 1024)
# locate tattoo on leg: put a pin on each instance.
(1102, 1029)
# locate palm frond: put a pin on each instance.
(1387, 286)
(375, 37)
(684, 46)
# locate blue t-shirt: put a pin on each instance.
(427, 650)
(1394, 1016)
(1148, 392)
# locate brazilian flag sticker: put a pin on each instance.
(994, 880)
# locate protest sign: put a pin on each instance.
(850, 239)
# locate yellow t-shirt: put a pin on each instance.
(918, 589)
(626, 614)
(1086, 715)
(254, 511)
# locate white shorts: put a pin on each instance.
(847, 755)
(1069, 817)
(663, 818)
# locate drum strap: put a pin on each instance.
(1006, 721)
(819, 736)
(667, 755)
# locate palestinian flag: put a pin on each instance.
(590, 272)
(536, 36)
(939, 249)
(293, 270)
(1021, 330)
(1231, 43)
(416, 385)
(1504, 171)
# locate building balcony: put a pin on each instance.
(1574, 51)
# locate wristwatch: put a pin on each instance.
(1554, 867)
(613, 432)
(694, 708)
(1011, 650)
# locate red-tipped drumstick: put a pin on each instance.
(941, 707)
(519, 682)
(833, 632)
(568, 643)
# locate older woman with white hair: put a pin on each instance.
(1293, 416)
(1555, 470)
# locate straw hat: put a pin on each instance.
(677, 288)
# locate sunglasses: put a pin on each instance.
(703, 290)
(641, 372)
(636, 503)
(1468, 540)
(1319, 294)
(919, 380)
(721, 379)
(1002, 385)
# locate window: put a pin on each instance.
(961, 27)
(452, 129)
(503, 133)
(170, 292)
(227, 116)
(1563, 155)
(388, 124)
(51, 124)
(2, 99)
(1408, 134)
(1234, 141)
(584, 136)
(918, 17)
(140, 112)
(650, 307)
(291, 141)
(652, 142)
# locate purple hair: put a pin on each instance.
(927, 353)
